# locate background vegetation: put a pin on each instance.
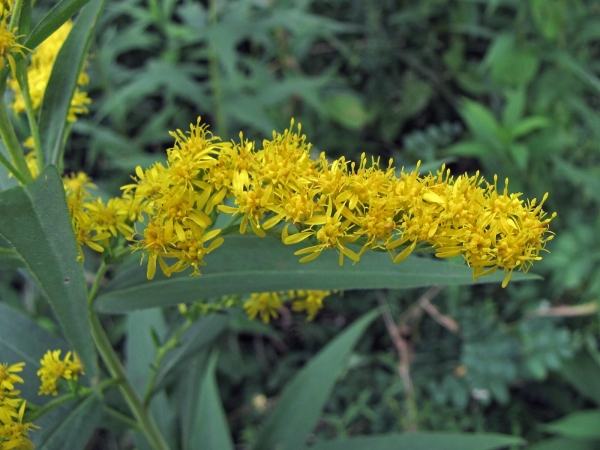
(507, 87)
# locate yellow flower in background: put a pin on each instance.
(309, 301)
(14, 434)
(38, 75)
(53, 368)
(265, 304)
(8, 39)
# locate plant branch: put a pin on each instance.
(11, 142)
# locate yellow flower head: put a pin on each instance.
(309, 301)
(265, 304)
(8, 376)
(53, 368)
(15, 434)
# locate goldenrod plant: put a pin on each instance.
(219, 227)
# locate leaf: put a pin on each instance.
(36, 223)
(422, 441)
(467, 149)
(528, 125)
(300, 405)
(72, 431)
(580, 425)
(63, 82)
(577, 69)
(10, 260)
(247, 263)
(511, 63)
(583, 372)
(514, 108)
(52, 21)
(200, 335)
(210, 430)
(549, 16)
(482, 123)
(520, 154)
(30, 347)
(141, 353)
(562, 444)
(348, 110)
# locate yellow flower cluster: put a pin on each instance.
(8, 39)
(14, 434)
(331, 205)
(267, 304)
(38, 75)
(53, 368)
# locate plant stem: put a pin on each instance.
(215, 79)
(16, 15)
(81, 393)
(122, 418)
(11, 142)
(23, 80)
(6, 163)
(160, 354)
(146, 423)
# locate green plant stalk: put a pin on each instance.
(146, 423)
(11, 142)
(125, 419)
(81, 393)
(12, 169)
(16, 15)
(160, 354)
(213, 61)
(23, 80)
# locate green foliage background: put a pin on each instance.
(507, 87)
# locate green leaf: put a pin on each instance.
(482, 123)
(520, 155)
(200, 335)
(140, 355)
(247, 263)
(514, 108)
(511, 63)
(9, 259)
(562, 444)
(52, 21)
(583, 372)
(63, 82)
(17, 346)
(36, 223)
(467, 149)
(210, 430)
(550, 16)
(581, 72)
(348, 110)
(528, 125)
(580, 425)
(300, 405)
(422, 441)
(70, 431)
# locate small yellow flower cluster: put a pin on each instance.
(38, 75)
(14, 434)
(330, 204)
(53, 368)
(8, 40)
(178, 201)
(266, 304)
(94, 221)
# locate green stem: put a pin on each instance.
(96, 284)
(6, 163)
(146, 422)
(11, 142)
(81, 393)
(16, 15)
(160, 354)
(124, 418)
(23, 80)
(215, 79)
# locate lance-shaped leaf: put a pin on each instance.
(247, 263)
(36, 223)
(422, 441)
(69, 427)
(63, 82)
(210, 430)
(52, 21)
(300, 405)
